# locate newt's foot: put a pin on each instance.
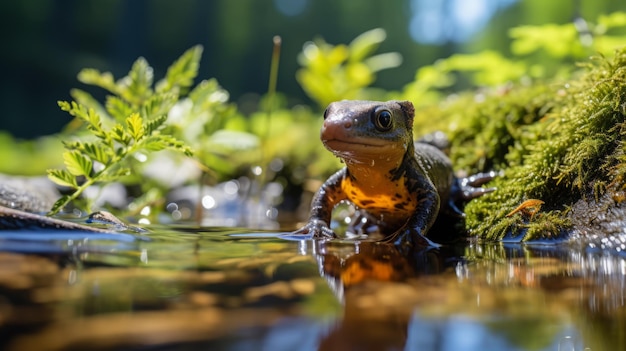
(407, 240)
(471, 186)
(316, 229)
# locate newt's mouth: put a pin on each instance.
(342, 144)
(364, 151)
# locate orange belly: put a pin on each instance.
(390, 203)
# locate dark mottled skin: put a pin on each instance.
(398, 182)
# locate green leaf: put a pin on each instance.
(62, 202)
(87, 115)
(77, 164)
(97, 153)
(84, 98)
(134, 123)
(118, 108)
(556, 40)
(103, 80)
(115, 175)
(119, 134)
(158, 104)
(140, 78)
(62, 177)
(154, 144)
(182, 72)
(73, 145)
(134, 117)
(383, 61)
(366, 43)
(208, 93)
(235, 140)
(160, 142)
(612, 20)
(154, 124)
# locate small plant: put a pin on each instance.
(103, 160)
(539, 52)
(133, 121)
(336, 72)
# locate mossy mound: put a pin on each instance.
(557, 142)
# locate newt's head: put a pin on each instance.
(368, 132)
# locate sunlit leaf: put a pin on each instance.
(556, 40)
(62, 177)
(366, 43)
(134, 123)
(120, 135)
(234, 140)
(182, 72)
(84, 98)
(158, 104)
(175, 144)
(77, 164)
(612, 20)
(60, 203)
(141, 115)
(607, 44)
(208, 93)
(359, 74)
(118, 108)
(140, 77)
(97, 153)
(154, 124)
(383, 61)
(115, 174)
(95, 77)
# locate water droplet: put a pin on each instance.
(231, 187)
(145, 211)
(208, 202)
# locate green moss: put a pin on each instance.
(557, 142)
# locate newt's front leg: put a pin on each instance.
(412, 233)
(324, 201)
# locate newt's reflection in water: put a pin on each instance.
(481, 297)
(193, 291)
(370, 279)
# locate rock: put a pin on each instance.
(17, 219)
(31, 194)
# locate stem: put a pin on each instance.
(91, 180)
(271, 90)
(72, 197)
(271, 94)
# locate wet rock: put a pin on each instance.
(35, 195)
(600, 223)
(16, 219)
(24, 199)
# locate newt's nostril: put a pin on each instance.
(347, 125)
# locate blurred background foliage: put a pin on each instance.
(47, 42)
(420, 50)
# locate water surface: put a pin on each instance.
(191, 288)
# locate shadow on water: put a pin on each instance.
(188, 288)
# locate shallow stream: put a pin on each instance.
(187, 288)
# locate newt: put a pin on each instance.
(398, 182)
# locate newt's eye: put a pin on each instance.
(382, 120)
(326, 113)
